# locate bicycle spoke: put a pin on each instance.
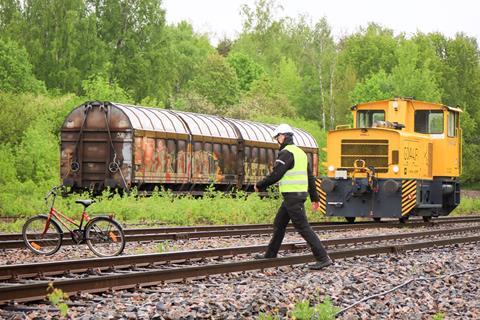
(105, 237)
(41, 235)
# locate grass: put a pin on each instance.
(305, 310)
(468, 206)
(162, 207)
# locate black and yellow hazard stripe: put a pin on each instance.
(322, 195)
(409, 195)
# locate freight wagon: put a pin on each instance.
(107, 144)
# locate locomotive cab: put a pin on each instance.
(402, 157)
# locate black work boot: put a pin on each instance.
(321, 264)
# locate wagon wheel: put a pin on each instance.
(427, 218)
(350, 219)
(404, 219)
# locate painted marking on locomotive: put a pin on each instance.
(409, 195)
(410, 153)
(322, 195)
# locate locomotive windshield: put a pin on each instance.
(429, 121)
(366, 118)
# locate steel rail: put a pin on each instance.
(15, 244)
(36, 291)
(182, 229)
(185, 229)
(71, 266)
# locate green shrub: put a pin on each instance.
(322, 311)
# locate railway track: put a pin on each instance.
(182, 233)
(28, 282)
(14, 240)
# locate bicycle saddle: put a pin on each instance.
(85, 203)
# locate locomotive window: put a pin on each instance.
(366, 118)
(429, 121)
(452, 123)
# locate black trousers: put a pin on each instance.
(293, 208)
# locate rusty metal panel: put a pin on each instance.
(204, 162)
(160, 160)
(95, 120)
(118, 120)
(214, 163)
(74, 120)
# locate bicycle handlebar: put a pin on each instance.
(53, 191)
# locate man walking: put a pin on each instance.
(296, 181)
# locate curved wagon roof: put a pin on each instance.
(189, 123)
(153, 119)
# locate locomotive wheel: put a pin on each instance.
(350, 219)
(403, 219)
(427, 218)
(377, 219)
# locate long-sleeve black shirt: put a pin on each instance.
(284, 162)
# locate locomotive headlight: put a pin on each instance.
(396, 169)
(331, 168)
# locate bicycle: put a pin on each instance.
(42, 233)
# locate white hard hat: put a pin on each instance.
(282, 128)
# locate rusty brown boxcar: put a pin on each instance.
(106, 144)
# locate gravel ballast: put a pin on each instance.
(275, 290)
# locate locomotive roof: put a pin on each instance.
(181, 122)
(430, 104)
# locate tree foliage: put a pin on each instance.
(278, 66)
(217, 81)
(16, 74)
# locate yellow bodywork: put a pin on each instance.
(399, 153)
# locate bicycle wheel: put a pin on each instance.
(104, 236)
(42, 237)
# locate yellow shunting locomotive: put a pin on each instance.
(402, 157)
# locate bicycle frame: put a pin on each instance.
(61, 217)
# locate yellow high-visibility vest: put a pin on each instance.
(295, 179)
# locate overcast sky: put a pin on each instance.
(219, 18)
